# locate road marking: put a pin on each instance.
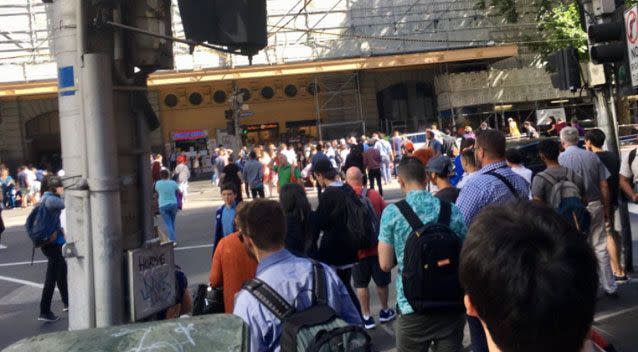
(178, 248)
(614, 314)
(22, 263)
(20, 281)
(2, 246)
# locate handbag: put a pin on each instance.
(180, 199)
(208, 300)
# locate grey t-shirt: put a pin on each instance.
(542, 190)
(253, 173)
(588, 166)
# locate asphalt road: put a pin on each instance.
(21, 283)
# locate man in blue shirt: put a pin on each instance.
(434, 143)
(315, 158)
(495, 183)
(262, 228)
(225, 216)
(414, 331)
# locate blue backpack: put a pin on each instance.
(39, 223)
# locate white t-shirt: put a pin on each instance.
(629, 171)
(524, 173)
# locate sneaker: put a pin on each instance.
(369, 323)
(387, 315)
(49, 317)
(65, 309)
(621, 278)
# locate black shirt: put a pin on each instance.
(230, 174)
(448, 194)
(612, 163)
(335, 247)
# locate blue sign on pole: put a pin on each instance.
(246, 114)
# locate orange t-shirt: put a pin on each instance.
(231, 268)
(378, 204)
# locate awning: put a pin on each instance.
(423, 59)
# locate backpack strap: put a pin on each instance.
(267, 296)
(319, 289)
(409, 215)
(364, 191)
(547, 177)
(445, 213)
(505, 181)
(632, 156)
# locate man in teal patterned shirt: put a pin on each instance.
(416, 332)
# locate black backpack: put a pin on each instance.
(431, 263)
(316, 329)
(360, 220)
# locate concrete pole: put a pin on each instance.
(104, 189)
(68, 44)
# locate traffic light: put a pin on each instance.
(228, 114)
(230, 128)
(244, 131)
(239, 25)
(565, 69)
(608, 42)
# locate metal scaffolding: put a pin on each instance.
(338, 105)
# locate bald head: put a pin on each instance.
(354, 177)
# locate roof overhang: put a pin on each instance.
(423, 59)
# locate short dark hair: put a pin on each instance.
(514, 156)
(492, 142)
(252, 154)
(468, 156)
(164, 174)
(411, 169)
(264, 222)
(467, 143)
(228, 187)
(319, 146)
(549, 148)
(596, 137)
(529, 277)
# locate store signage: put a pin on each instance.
(266, 126)
(631, 31)
(246, 114)
(189, 135)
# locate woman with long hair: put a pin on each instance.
(302, 222)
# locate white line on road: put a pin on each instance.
(20, 281)
(22, 263)
(614, 314)
(194, 247)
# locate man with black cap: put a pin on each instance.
(439, 169)
(335, 247)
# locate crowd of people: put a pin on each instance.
(477, 238)
(513, 252)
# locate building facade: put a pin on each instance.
(331, 68)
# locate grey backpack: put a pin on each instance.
(562, 188)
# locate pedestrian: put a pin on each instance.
(509, 261)
(594, 141)
(433, 143)
(468, 162)
(253, 174)
(424, 154)
(336, 247)
(225, 215)
(595, 175)
(373, 161)
(466, 144)
(269, 178)
(213, 161)
(220, 163)
(516, 160)
(262, 227)
(167, 193)
(319, 155)
(231, 267)
(438, 170)
(56, 273)
(385, 149)
(367, 267)
(530, 130)
(544, 181)
(286, 172)
(417, 330)
(494, 183)
(182, 174)
(581, 130)
(513, 128)
(8, 188)
(302, 224)
(232, 174)
(183, 300)
(156, 167)
(355, 158)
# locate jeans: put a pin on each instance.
(375, 174)
(598, 240)
(8, 197)
(257, 191)
(168, 213)
(345, 275)
(56, 274)
(215, 178)
(397, 160)
(385, 170)
(443, 332)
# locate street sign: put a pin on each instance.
(631, 31)
(246, 114)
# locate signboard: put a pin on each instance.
(631, 32)
(189, 135)
(246, 114)
(151, 273)
(261, 127)
(543, 115)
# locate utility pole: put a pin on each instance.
(236, 102)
